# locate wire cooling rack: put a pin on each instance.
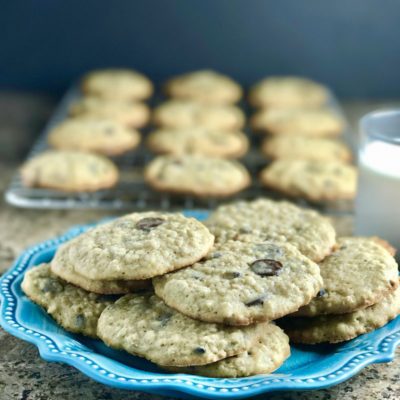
(132, 192)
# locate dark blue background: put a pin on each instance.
(352, 45)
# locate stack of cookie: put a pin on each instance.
(308, 160)
(102, 123)
(360, 294)
(121, 257)
(198, 135)
(201, 298)
(360, 279)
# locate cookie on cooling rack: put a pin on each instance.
(317, 181)
(205, 86)
(184, 114)
(117, 84)
(288, 91)
(69, 171)
(305, 148)
(298, 122)
(93, 134)
(198, 140)
(197, 175)
(132, 114)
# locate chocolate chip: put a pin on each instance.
(232, 274)
(259, 301)
(164, 318)
(104, 298)
(266, 267)
(199, 350)
(196, 276)
(146, 224)
(80, 321)
(216, 254)
(245, 229)
(321, 293)
(52, 286)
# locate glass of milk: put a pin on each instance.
(378, 194)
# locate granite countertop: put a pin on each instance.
(23, 374)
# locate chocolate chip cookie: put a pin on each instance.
(75, 309)
(92, 134)
(135, 247)
(117, 84)
(261, 219)
(298, 122)
(204, 86)
(288, 91)
(197, 175)
(359, 273)
(132, 114)
(69, 171)
(184, 114)
(63, 269)
(242, 283)
(143, 325)
(339, 328)
(264, 357)
(317, 181)
(305, 148)
(198, 140)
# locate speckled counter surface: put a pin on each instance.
(23, 374)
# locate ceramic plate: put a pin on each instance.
(309, 367)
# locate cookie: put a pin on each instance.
(358, 274)
(264, 357)
(75, 309)
(261, 219)
(103, 136)
(69, 171)
(317, 181)
(305, 148)
(135, 247)
(117, 84)
(298, 122)
(65, 271)
(204, 86)
(184, 114)
(143, 325)
(242, 283)
(129, 113)
(288, 91)
(198, 140)
(196, 175)
(339, 328)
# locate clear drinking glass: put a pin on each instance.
(378, 194)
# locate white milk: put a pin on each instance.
(378, 196)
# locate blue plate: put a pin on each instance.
(309, 367)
